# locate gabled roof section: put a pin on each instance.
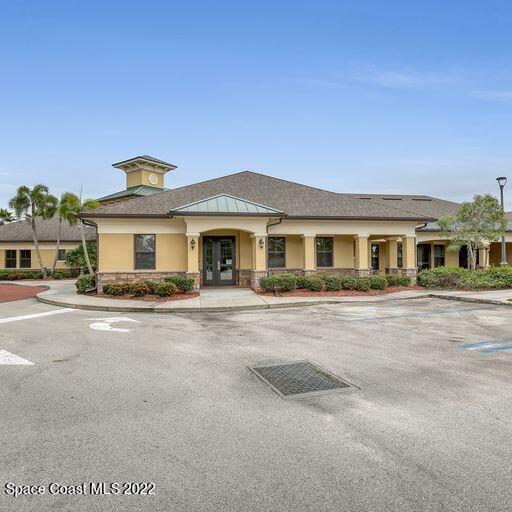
(47, 230)
(136, 191)
(296, 200)
(225, 204)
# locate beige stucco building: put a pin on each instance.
(17, 248)
(234, 229)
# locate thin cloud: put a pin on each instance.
(399, 79)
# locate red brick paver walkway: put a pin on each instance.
(10, 292)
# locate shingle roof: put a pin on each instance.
(293, 199)
(225, 204)
(21, 231)
(136, 191)
(424, 205)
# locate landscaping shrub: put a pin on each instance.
(314, 284)
(455, 277)
(332, 283)
(284, 282)
(361, 284)
(348, 282)
(85, 283)
(301, 282)
(119, 289)
(165, 289)
(184, 284)
(13, 275)
(377, 282)
(398, 280)
(323, 275)
(444, 277)
(501, 276)
(62, 274)
(138, 288)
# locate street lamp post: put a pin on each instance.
(502, 181)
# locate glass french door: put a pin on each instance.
(219, 260)
(423, 255)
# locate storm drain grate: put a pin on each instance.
(298, 379)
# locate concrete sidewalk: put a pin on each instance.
(63, 294)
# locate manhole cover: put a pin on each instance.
(299, 379)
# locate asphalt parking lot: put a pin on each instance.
(169, 399)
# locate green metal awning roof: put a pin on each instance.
(138, 191)
(225, 204)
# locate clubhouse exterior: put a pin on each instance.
(235, 229)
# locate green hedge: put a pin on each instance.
(377, 282)
(284, 282)
(13, 275)
(314, 284)
(85, 283)
(398, 280)
(456, 277)
(143, 288)
(183, 283)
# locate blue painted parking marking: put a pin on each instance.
(496, 349)
(489, 346)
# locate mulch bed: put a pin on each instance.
(11, 292)
(148, 298)
(342, 293)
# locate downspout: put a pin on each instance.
(275, 223)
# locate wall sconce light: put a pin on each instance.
(193, 243)
(262, 243)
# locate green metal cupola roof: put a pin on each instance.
(225, 204)
(136, 191)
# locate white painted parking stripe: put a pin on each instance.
(35, 315)
(8, 358)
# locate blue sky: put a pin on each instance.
(359, 96)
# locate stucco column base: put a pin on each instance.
(412, 273)
(309, 271)
(363, 272)
(393, 270)
(196, 276)
(255, 278)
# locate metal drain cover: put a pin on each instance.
(299, 379)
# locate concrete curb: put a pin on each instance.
(471, 299)
(152, 308)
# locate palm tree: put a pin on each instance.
(68, 205)
(5, 216)
(77, 207)
(32, 203)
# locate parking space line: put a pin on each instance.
(35, 315)
(13, 359)
(496, 349)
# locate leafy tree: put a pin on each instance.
(88, 204)
(68, 205)
(475, 222)
(32, 203)
(76, 257)
(73, 207)
(5, 216)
